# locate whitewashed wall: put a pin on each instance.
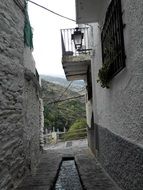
(118, 111)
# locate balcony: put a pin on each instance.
(91, 11)
(75, 61)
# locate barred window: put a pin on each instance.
(113, 51)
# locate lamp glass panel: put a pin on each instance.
(78, 39)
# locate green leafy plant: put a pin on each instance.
(104, 76)
(104, 72)
(77, 130)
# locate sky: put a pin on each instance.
(46, 33)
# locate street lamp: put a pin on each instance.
(77, 38)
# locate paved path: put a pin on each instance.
(92, 175)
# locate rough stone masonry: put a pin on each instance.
(19, 100)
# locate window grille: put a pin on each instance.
(112, 38)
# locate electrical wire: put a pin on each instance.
(59, 98)
(83, 89)
(65, 90)
(57, 101)
(51, 11)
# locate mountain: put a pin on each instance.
(52, 92)
(75, 86)
(59, 109)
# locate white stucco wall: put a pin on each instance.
(89, 111)
(120, 108)
(91, 10)
(28, 60)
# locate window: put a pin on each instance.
(113, 51)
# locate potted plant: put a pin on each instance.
(104, 75)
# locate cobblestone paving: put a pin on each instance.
(91, 173)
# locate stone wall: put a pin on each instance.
(31, 130)
(122, 159)
(118, 111)
(19, 101)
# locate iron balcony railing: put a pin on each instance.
(68, 47)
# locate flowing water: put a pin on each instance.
(68, 178)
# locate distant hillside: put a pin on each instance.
(76, 85)
(60, 114)
(52, 92)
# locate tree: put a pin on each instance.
(77, 130)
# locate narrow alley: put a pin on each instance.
(71, 95)
(92, 175)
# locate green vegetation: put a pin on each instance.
(77, 130)
(103, 75)
(62, 114)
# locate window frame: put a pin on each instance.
(112, 39)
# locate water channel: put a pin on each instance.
(68, 178)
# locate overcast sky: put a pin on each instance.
(46, 29)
